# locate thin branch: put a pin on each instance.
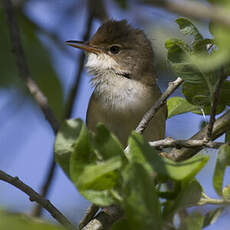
(74, 90)
(37, 210)
(216, 99)
(90, 213)
(34, 196)
(207, 200)
(169, 142)
(159, 103)
(68, 112)
(221, 125)
(22, 66)
(195, 10)
(105, 218)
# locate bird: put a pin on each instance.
(120, 59)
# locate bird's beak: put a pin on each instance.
(84, 46)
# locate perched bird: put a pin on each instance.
(121, 60)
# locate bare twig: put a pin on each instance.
(104, 219)
(90, 213)
(194, 10)
(169, 142)
(74, 91)
(69, 109)
(37, 210)
(34, 196)
(23, 68)
(221, 125)
(159, 103)
(215, 98)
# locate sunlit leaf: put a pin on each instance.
(188, 28)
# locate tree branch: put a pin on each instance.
(159, 103)
(22, 66)
(194, 10)
(68, 112)
(221, 125)
(169, 142)
(34, 196)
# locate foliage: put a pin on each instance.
(127, 179)
(13, 221)
(151, 189)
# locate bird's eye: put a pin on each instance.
(114, 49)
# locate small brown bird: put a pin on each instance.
(120, 58)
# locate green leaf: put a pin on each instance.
(107, 144)
(99, 177)
(140, 151)
(193, 222)
(211, 216)
(226, 192)
(141, 203)
(94, 177)
(12, 221)
(65, 142)
(179, 105)
(177, 50)
(223, 160)
(188, 28)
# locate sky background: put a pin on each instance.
(26, 138)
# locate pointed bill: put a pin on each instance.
(84, 46)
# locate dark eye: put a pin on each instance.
(114, 49)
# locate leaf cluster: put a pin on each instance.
(150, 189)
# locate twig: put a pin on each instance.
(23, 69)
(221, 125)
(34, 196)
(194, 10)
(159, 103)
(68, 112)
(215, 98)
(37, 210)
(169, 142)
(207, 200)
(74, 91)
(105, 218)
(90, 213)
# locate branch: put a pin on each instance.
(207, 200)
(216, 98)
(221, 125)
(68, 112)
(169, 142)
(195, 10)
(159, 103)
(34, 196)
(22, 66)
(104, 219)
(90, 213)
